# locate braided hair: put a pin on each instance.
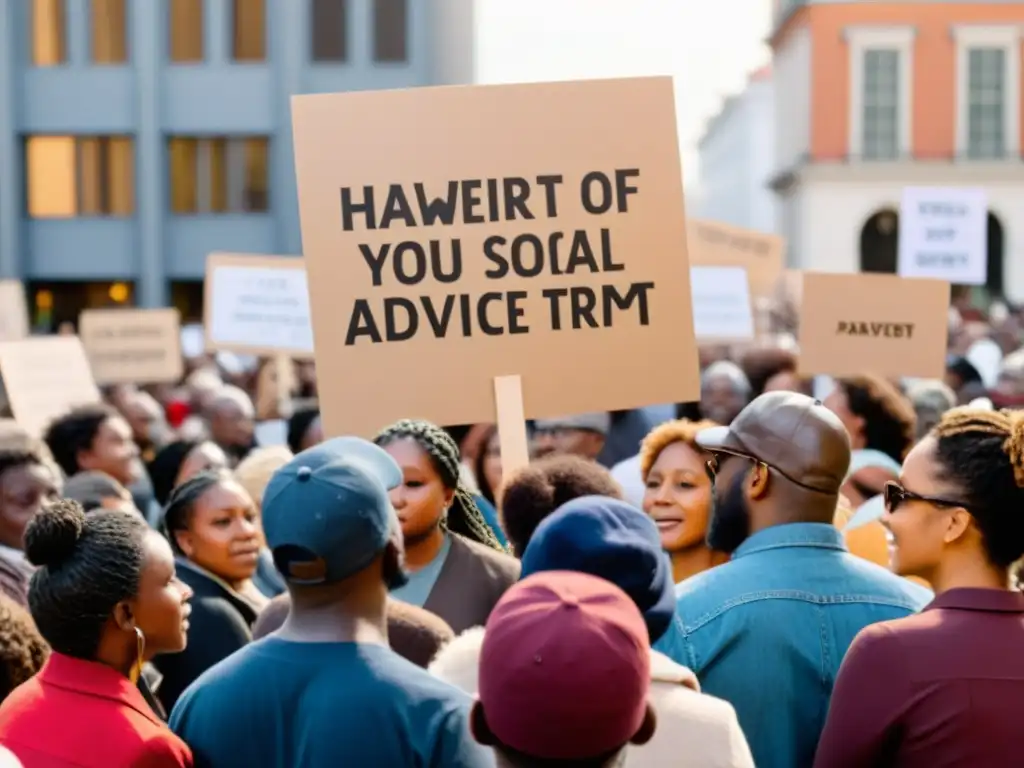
(982, 451)
(87, 565)
(464, 517)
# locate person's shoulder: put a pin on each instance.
(408, 679)
(401, 612)
(713, 586)
(497, 563)
(880, 642)
(238, 671)
(873, 579)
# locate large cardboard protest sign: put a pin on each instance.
(13, 311)
(257, 305)
(715, 244)
(456, 235)
(44, 378)
(132, 345)
(873, 323)
(944, 234)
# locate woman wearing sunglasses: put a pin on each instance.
(944, 687)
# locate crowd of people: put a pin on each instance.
(789, 573)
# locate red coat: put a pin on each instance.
(81, 714)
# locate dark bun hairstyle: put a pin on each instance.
(52, 536)
(87, 565)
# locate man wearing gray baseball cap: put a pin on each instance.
(325, 688)
(583, 434)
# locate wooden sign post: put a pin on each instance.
(508, 404)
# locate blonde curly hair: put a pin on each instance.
(664, 435)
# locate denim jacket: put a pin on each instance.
(767, 631)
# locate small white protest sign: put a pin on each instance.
(944, 234)
(258, 305)
(721, 303)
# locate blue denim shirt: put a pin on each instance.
(767, 631)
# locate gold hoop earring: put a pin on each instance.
(140, 650)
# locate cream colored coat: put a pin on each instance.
(694, 730)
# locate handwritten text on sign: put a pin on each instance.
(545, 251)
(943, 234)
(132, 345)
(258, 303)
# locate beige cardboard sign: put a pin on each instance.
(715, 244)
(14, 322)
(454, 235)
(873, 323)
(257, 305)
(44, 378)
(132, 345)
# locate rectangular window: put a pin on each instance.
(329, 30)
(219, 174)
(109, 31)
(186, 30)
(49, 33)
(70, 176)
(249, 38)
(390, 30)
(881, 124)
(986, 103)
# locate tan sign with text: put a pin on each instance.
(132, 345)
(714, 244)
(472, 234)
(873, 323)
(14, 323)
(44, 378)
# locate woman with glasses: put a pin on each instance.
(944, 687)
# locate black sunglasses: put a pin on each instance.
(712, 465)
(894, 494)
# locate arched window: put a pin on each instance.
(879, 242)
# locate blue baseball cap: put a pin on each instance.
(326, 513)
(612, 540)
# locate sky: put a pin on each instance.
(709, 46)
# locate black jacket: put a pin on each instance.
(220, 623)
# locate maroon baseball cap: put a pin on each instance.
(565, 667)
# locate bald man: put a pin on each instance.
(232, 420)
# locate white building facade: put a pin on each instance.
(737, 159)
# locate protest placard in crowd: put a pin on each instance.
(722, 309)
(13, 311)
(44, 377)
(944, 234)
(444, 257)
(132, 345)
(714, 244)
(873, 323)
(257, 305)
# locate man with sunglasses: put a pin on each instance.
(767, 630)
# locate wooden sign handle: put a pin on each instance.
(283, 365)
(508, 402)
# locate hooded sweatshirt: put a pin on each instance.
(693, 730)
